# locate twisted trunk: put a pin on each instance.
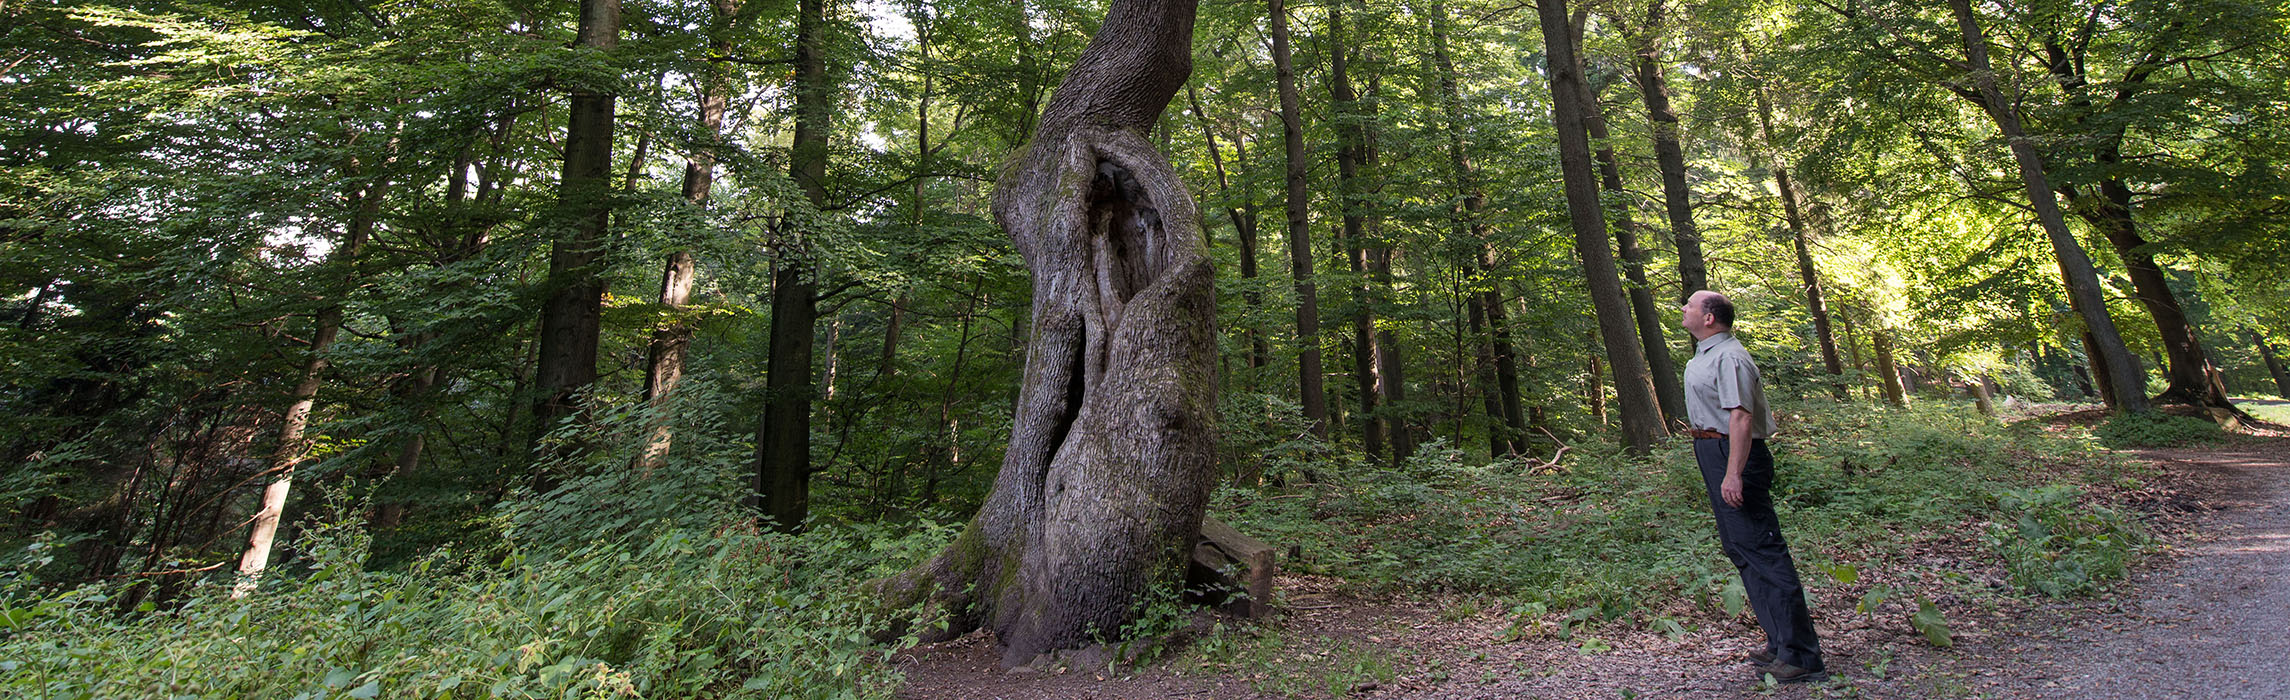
(1101, 493)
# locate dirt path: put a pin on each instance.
(2210, 618)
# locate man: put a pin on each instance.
(1726, 414)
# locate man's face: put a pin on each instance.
(1690, 315)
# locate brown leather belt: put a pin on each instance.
(1705, 434)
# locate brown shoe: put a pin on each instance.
(1788, 673)
(1761, 657)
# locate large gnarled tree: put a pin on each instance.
(1111, 456)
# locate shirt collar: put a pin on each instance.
(1714, 340)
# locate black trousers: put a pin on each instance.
(1751, 536)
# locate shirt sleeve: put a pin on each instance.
(1736, 383)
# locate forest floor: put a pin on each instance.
(2202, 616)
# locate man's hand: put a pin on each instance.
(1730, 490)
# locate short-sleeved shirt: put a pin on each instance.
(1721, 377)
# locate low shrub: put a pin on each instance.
(2156, 429)
(2055, 544)
(685, 613)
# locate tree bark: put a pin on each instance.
(1669, 157)
(783, 441)
(2075, 266)
(1352, 142)
(1509, 430)
(1669, 386)
(1101, 493)
(1888, 371)
(2273, 363)
(1633, 384)
(572, 317)
(671, 341)
(1309, 374)
(1793, 215)
(293, 446)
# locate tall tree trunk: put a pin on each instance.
(2273, 362)
(1853, 350)
(1111, 457)
(1677, 198)
(1309, 375)
(1349, 154)
(572, 317)
(1793, 215)
(1243, 218)
(1594, 388)
(783, 442)
(1669, 386)
(1509, 430)
(1633, 383)
(671, 341)
(1888, 371)
(2075, 266)
(1980, 396)
(293, 446)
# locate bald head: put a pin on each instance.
(1706, 313)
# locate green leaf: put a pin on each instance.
(1734, 597)
(340, 677)
(449, 683)
(1845, 573)
(369, 691)
(1929, 621)
(1873, 598)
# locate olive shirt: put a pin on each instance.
(1721, 377)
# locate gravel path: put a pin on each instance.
(2212, 623)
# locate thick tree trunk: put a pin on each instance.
(1111, 456)
(1793, 215)
(2273, 363)
(1888, 371)
(1352, 137)
(1669, 386)
(1633, 383)
(1309, 374)
(293, 446)
(1980, 396)
(572, 317)
(783, 442)
(2075, 266)
(2193, 379)
(1677, 198)
(1509, 430)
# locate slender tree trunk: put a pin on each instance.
(1853, 349)
(2273, 362)
(1669, 386)
(2082, 279)
(1980, 396)
(1509, 429)
(1633, 383)
(1669, 157)
(1349, 153)
(1309, 375)
(293, 446)
(783, 442)
(1594, 388)
(572, 317)
(671, 341)
(1243, 218)
(1888, 372)
(1111, 457)
(1793, 215)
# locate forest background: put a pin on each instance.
(505, 321)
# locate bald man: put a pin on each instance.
(1727, 416)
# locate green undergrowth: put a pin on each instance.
(1604, 536)
(677, 613)
(2156, 429)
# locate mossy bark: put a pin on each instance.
(1112, 450)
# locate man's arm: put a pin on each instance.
(1737, 427)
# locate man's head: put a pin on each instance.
(1706, 313)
